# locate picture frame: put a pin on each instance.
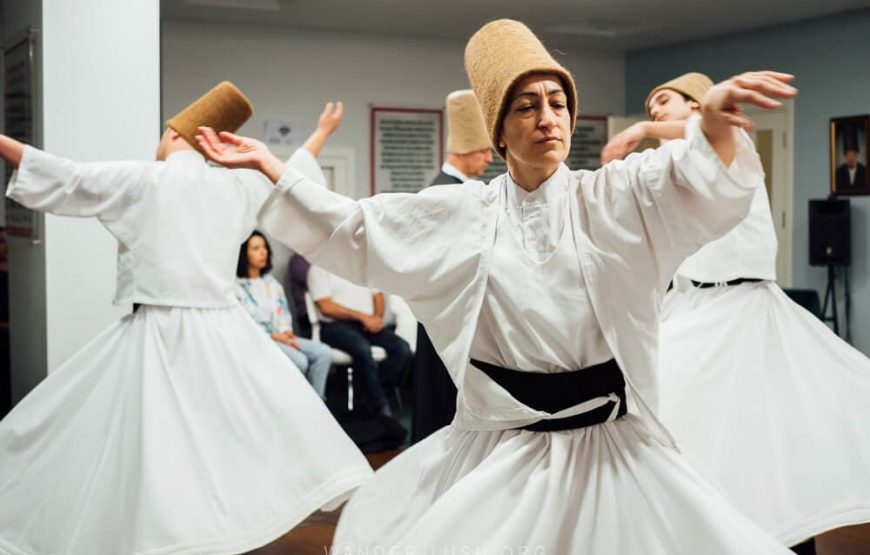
(407, 148)
(849, 155)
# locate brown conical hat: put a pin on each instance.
(466, 130)
(694, 85)
(497, 57)
(224, 108)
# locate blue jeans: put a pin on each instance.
(313, 359)
(351, 338)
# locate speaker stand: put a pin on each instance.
(831, 297)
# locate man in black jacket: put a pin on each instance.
(851, 174)
(468, 155)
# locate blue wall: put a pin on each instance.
(831, 58)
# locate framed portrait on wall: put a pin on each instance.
(849, 158)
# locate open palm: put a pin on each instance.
(232, 151)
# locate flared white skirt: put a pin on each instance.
(769, 404)
(607, 489)
(176, 431)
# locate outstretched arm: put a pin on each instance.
(64, 187)
(691, 191)
(721, 114)
(624, 142)
(329, 121)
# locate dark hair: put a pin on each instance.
(242, 266)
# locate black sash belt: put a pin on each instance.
(554, 392)
(738, 281)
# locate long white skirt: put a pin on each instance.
(769, 404)
(175, 431)
(609, 488)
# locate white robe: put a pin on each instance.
(761, 396)
(616, 488)
(181, 429)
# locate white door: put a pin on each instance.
(773, 140)
(338, 165)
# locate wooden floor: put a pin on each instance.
(852, 540)
(314, 535)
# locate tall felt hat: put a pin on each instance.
(224, 108)
(694, 85)
(466, 130)
(497, 57)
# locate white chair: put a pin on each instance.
(406, 328)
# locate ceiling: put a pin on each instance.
(601, 24)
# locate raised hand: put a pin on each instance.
(235, 151)
(330, 119)
(328, 122)
(722, 105)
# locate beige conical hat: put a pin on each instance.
(497, 57)
(466, 130)
(224, 108)
(694, 85)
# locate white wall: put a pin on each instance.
(290, 74)
(100, 100)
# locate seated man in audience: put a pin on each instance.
(353, 321)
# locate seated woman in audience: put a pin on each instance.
(263, 297)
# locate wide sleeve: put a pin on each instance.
(305, 163)
(60, 186)
(256, 187)
(670, 201)
(417, 246)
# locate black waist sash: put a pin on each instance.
(738, 281)
(554, 392)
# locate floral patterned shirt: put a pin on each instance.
(265, 301)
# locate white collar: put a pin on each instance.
(550, 192)
(180, 155)
(452, 171)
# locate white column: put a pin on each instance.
(100, 101)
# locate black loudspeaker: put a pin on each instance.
(830, 232)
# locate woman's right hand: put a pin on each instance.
(235, 151)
